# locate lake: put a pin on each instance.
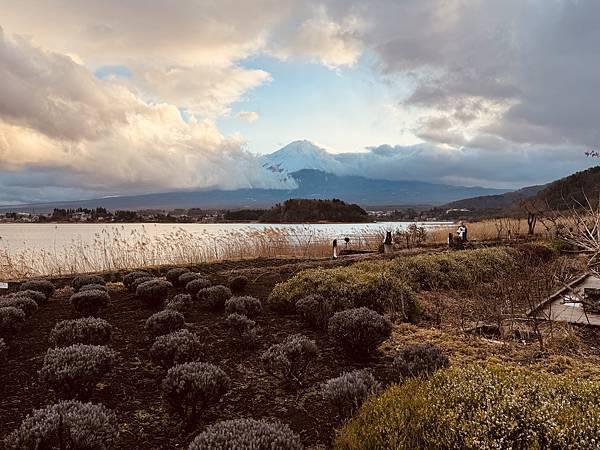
(77, 247)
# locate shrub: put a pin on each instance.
(238, 283)
(89, 303)
(132, 276)
(246, 434)
(538, 251)
(247, 306)
(191, 387)
(25, 304)
(419, 359)
(195, 285)
(153, 292)
(74, 371)
(36, 296)
(93, 287)
(175, 348)
(82, 280)
(359, 330)
(244, 328)
(174, 274)
(289, 360)
(316, 309)
(87, 330)
(479, 407)
(349, 391)
(3, 351)
(164, 322)
(43, 286)
(11, 321)
(185, 278)
(180, 303)
(67, 424)
(135, 283)
(455, 270)
(356, 287)
(214, 297)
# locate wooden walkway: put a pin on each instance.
(563, 306)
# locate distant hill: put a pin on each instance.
(559, 194)
(309, 210)
(311, 183)
(495, 204)
(563, 193)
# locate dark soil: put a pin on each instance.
(133, 390)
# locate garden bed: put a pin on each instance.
(133, 389)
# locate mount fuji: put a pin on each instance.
(300, 155)
(304, 170)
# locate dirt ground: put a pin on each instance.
(133, 391)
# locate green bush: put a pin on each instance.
(190, 388)
(175, 348)
(454, 270)
(36, 296)
(153, 292)
(479, 406)
(44, 286)
(83, 280)
(214, 297)
(186, 277)
(132, 276)
(180, 303)
(195, 285)
(316, 310)
(173, 275)
(245, 329)
(360, 286)
(25, 304)
(164, 322)
(11, 321)
(419, 359)
(89, 303)
(87, 330)
(246, 306)
(247, 434)
(349, 391)
(290, 359)
(74, 371)
(238, 283)
(359, 330)
(66, 425)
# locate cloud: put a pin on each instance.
(324, 40)
(248, 116)
(99, 135)
(524, 72)
(471, 166)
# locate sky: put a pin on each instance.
(122, 97)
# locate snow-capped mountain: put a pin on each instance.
(299, 155)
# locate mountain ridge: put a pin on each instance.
(311, 184)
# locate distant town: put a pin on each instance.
(192, 215)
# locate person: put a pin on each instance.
(462, 232)
(334, 248)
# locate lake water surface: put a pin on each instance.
(50, 248)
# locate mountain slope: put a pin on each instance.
(492, 204)
(563, 193)
(314, 184)
(299, 155)
(559, 194)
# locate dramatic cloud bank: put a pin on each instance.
(111, 97)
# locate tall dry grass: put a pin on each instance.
(115, 249)
(488, 230)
